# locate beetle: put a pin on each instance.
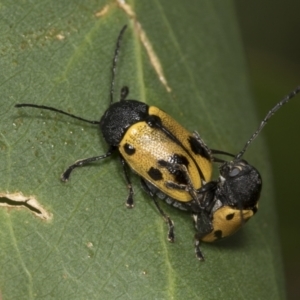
(173, 163)
(230, 201)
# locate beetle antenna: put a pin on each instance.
(266, 119)
(114, 65)
(56, 110)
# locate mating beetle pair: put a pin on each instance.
(176, 165)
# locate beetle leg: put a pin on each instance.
(176, 186)
(208, 187)
(171, 235)
(172, 167)
(203, 225)
(203, 145)
(188, 187)
(209, 151)
(198, 251)
(129, 201)
(79, 163)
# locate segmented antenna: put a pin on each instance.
(266, 119)
(114, 65)
(56, 110)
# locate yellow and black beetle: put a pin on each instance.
(176, 165)
(230, 201)
(173, 163)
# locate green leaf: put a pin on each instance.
(59, 53)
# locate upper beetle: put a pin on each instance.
(231, 200)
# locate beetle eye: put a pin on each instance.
(234, 172)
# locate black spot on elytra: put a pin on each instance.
(154, 121)
(197, 148)
(218, 234)
(229, 217)
(179, 159)
(129, 149)
(155, 174)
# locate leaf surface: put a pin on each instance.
(60, 54)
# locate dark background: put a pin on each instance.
(270, 32)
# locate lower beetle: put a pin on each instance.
(173, 163)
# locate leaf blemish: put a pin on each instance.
(60, 37)
(154, 60)
(18, 200)
(103, 11)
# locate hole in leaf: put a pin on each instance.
(18, 200)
